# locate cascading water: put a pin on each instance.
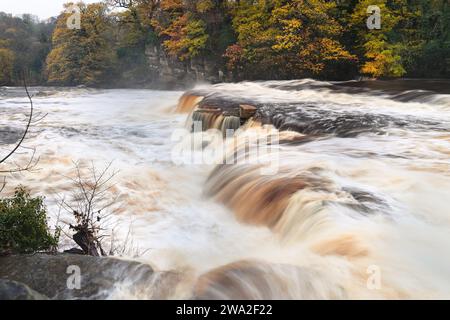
(361, 186)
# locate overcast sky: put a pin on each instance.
(42, 8)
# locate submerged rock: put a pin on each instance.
(100, 278)
(12, 290)
(9, 135)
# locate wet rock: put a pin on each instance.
(309, 118)
(258, 280)
(247, 111)
(12, 290)
(10, 135)
(169, 73)
(366, 203)
(101, 278)
(75, 251)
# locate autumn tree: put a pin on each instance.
(181, 28)
(286, 39)
(380, 53)
(252, 39)
(85, 55)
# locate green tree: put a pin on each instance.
(23, 225)
(6, 66)
(429, 39)
(133, 32)
(29, 41)
(380, 49)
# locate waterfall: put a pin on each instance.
(188, 103)
(328, 199)
(317, 190)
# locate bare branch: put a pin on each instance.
(30, 118)
(3, 184)
(89, 205)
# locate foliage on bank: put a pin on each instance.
(23, 225)
(246, 39)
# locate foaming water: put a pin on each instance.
(365, 189)
(171, 224)
(362, 184)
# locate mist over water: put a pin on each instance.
(363, 183)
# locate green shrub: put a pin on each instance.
(23, 225)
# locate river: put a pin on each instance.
(358, 207)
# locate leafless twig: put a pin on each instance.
(33, 160)
(90, 206)
(30, 119)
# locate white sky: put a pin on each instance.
(42, 8)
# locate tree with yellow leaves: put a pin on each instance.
(85, 55)
(287, 39)
(380, 49)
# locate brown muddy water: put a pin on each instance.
(358, 207)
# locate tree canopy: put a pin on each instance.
(24, 45)
(85, 55)
(246, 39)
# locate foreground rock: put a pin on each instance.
(12, 290)
(101, 278)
